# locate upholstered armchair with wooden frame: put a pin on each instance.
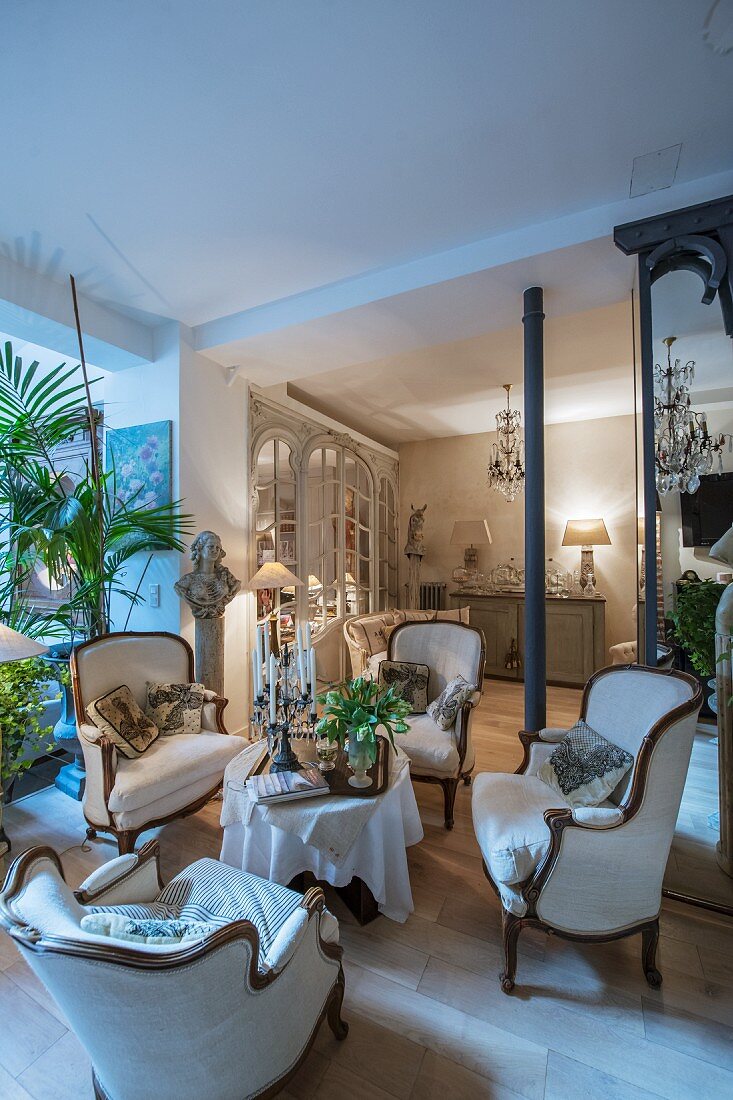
(198, 1018)
(592, 873)
(449, 649)
(178, 774)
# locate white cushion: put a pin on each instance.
(508, 817)
(373, 663)
(432, 751)
(169, 765)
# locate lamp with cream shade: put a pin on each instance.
(471, 534)
(14, 647)
(275, 575)
(586, 533)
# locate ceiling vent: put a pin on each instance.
(654, 171)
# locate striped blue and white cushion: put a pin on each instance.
(213, 892)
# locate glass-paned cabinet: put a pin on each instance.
(387, 535)
(325, 506)
(276, 525)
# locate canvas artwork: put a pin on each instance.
(142, 460)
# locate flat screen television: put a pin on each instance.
(708, 513)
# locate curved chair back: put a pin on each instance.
(186, 1021)
(448, 649)
(652, 714)
(131, 658)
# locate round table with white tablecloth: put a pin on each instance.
(377, 856)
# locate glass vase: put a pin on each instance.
(362, 755)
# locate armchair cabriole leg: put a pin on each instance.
(338, 1026)
(450, 786)
(649, 941)
(511, 927)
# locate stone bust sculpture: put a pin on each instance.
(415, 544)
(210, 586)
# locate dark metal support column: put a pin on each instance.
(535, 688)
(649, 656)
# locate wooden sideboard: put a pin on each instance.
(576, 634)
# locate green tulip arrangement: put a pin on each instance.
(357, 708)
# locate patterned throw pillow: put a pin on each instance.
(411, 680)
(150, 931)
(444, 709)
(176, 708)
(585, 767)
(118, 716)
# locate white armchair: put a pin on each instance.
(592, 874)
(213, 1017)
(178, 774)
(448, 649)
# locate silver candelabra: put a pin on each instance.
(290, 714)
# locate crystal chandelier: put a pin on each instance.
(685, 450)
(506, 469)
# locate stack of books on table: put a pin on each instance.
(284, 786)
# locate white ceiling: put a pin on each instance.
(192, 160)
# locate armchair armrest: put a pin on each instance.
(552, 733)
(211, 716)
(129, 878)
(598, 817)
(463, 720)
(100, 762)
(549, 735)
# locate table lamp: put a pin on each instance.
(586, 533)
(470, 533)
(273, 574)
(14, 647)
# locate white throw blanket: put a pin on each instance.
(331, 824)
(235, 800)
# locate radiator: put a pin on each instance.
(432, 596)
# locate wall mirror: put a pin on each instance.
(693, 507)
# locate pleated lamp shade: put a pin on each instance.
(16, 647)
(273, 574)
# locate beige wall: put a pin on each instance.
(589, 472)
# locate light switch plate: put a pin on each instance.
(154, 594)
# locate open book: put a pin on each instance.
(283, 786)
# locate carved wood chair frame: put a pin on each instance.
(126, 837)
(117, 954)
(557, 821)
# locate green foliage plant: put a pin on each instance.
(357, 708)
(22, 697)
(694, 623)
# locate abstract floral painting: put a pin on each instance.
(142, 460)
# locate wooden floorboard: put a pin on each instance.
(428, 1020)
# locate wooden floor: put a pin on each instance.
(427, 1017)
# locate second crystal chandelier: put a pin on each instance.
(684, 447)
(506, 468)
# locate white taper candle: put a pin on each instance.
(312, 675)
(273, 690)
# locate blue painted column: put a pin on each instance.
(535, 660)
(649, 470)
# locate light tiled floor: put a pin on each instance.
(428, 1020)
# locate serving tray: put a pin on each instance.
(338, 777)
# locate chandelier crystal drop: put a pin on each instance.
(684, 448)
(506, 468)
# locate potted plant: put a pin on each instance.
(694, 626)
(354, 712)
(23, 692)
(77, 530)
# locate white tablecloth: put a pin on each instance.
(378, 855)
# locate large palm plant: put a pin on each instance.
(82, 533)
